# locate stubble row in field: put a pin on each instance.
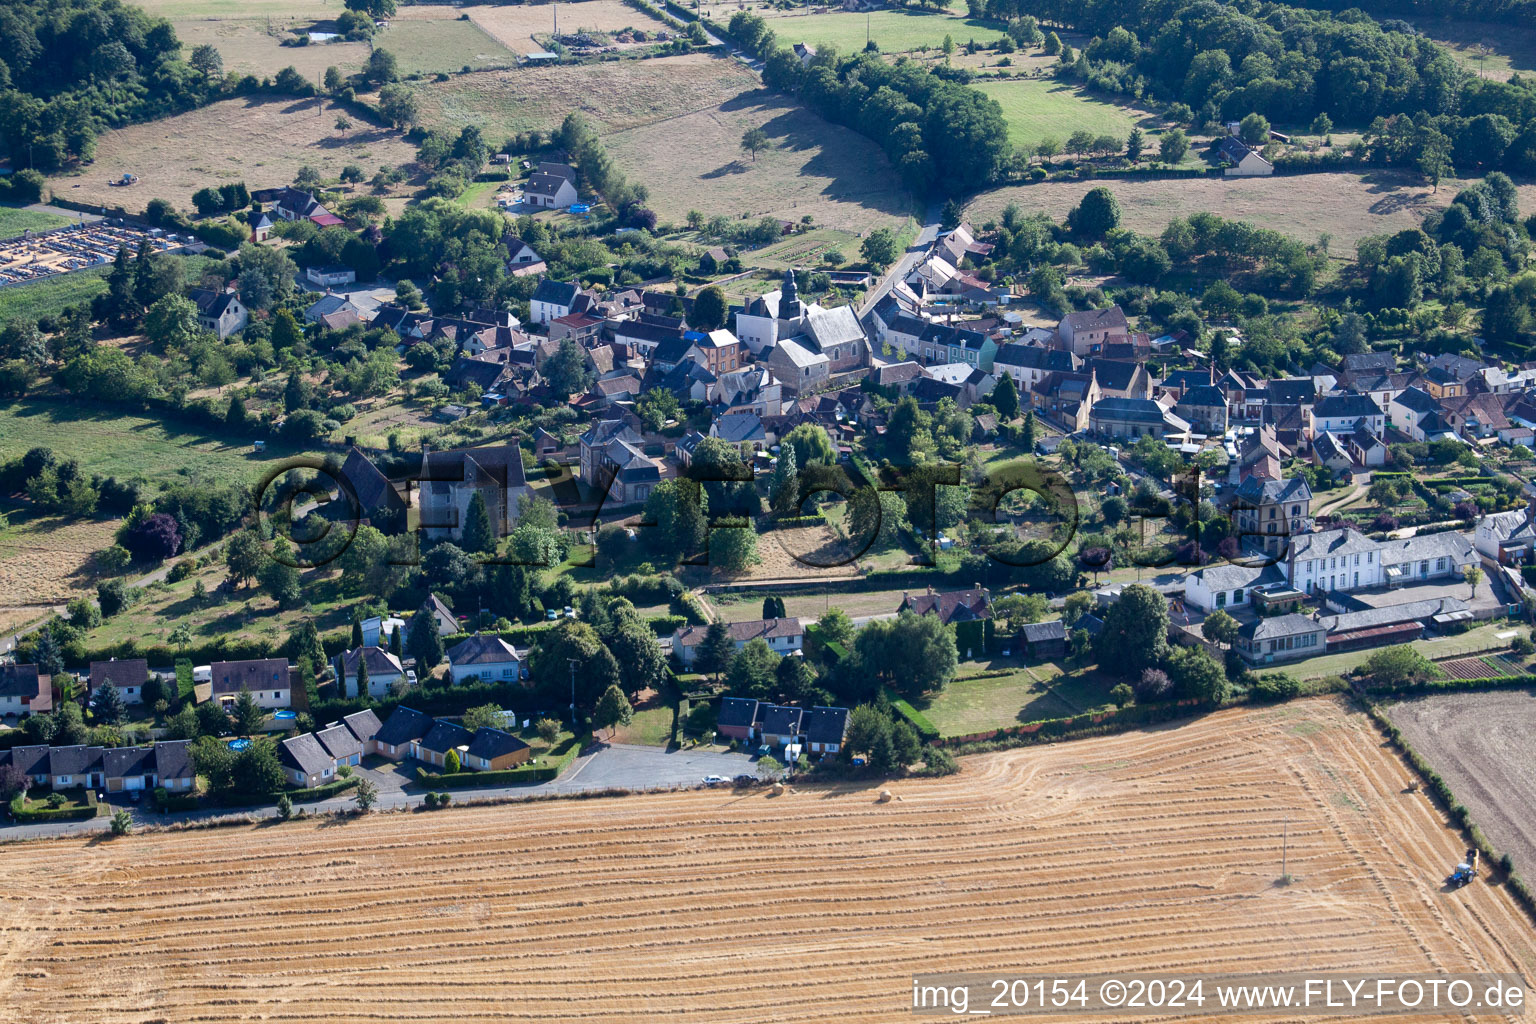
(1147, 851)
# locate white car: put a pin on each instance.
(715, 780)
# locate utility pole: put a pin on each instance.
(1285, 837)
(573, 662)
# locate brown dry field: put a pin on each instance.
(259, 140)
(250, 47)
(615, 94)
(813, 167)
(514, 27)
(1346, 206)
(778, 548)
(1484, 744)
(46, 561)
(1156, 850)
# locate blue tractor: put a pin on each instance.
(1465, 871)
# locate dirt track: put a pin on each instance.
(1157, 850)
(1484, 744)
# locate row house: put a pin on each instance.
(820, 731)
(166, 764)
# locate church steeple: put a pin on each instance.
(789, 297)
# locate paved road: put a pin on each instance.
(914, 256)
(608, 766)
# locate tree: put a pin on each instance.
(1398, 666)
(566, 370)
(1122, 695)
(716, 650)
(248, 714)
(1173, 145)
(784, 492)
(869, 734)
(1027, 432)
(424, 643)
(376, 9)
(207, 61)
(284, 808)
(912, 654)
(1197, 675)
(1135, 632)
(452, 765)
(281, 580)
(1254, 129)
(613, 709)
(122, 823)
(1133, 146)
(244, 557)
(1473, 575)
(1005, 399)
(477, 535)
(343, 123)
(754, 670)
(879, 248)
(733, 545)
(1219, 628)
(709, 309)
(485, 716)
(679, 510)
(13, 780)
(773, 608)
(398, 106)
(109, 703)
(381, 68)
(362, 672)
(366, 793)
(1096, 215)
(812, 445)
(768, 768)
(754, 139)
(906, 748)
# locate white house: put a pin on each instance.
(266, 678)
(487, 658)
(552, 300)
(784, 637)
(1226, 586)
(1246, 162)
(330, 277)
(377, 631)
(386, 676)
(549, 191)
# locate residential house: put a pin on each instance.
(305, 762)
(582, 328)
(32, 761)
(1416, 413)
(128, 675)
(173, 766)
(442, 737)
(341, 744)
(401, 731)
(780, 725)
(951, 607)
(362, 482)
(1344, 560)
(329, 305)
(720, 349)
(129, 769)
(1088, 331)
(737, 718)
(549, 191)
(1345, 413)
(434, 607)
(825, 730)
(489, 659)
(1266, 512)
(1133, 418)
(1043, 640)
(740, 428)
(365, 726)
(330, 276)
(266, 678)
(522, 258)
(1280, 638)
(492, 750)
(450, 481)
(1508, 538)
(784, 636)
(78, 765)
(552, 299)
(219, 311)
(1205, 407)
(1244, 162)
(386, 676)
(1225, 587)
(1030, 364)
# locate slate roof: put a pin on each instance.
(402, 726)
(740, 426)
(305, 753)
(1202, 395)
(75, 760)
(541, 184)
(826, 725)
(501, 464)
(445, 736)
(482, 649)
(493, 743)
(741, 632)
(557, 293)
(173, 760)
(364, 724)
(1292, 391)
(339, 741)
(120, 762)
(1273, 626)
(380, 662)
(1255, 491)
(1417, 401)
(737, 712)
(1040, 632)
(32, 759)
(1347, 406)
(1138, 410)
(19, 680)
(1033, 357)
(781, 720)
(1094, 319)
(256, 673)
(952, 606)
(1231, 577)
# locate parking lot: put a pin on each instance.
(630, 767)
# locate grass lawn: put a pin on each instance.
(1039, 108)
(14, 220)
(973, 704)
(129, 446)
(51, 295)
(1472, 641)
(895, 31)
(1494, 51)
(651, 727)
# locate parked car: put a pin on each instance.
(745, 780)
(570, 612)
(551, 615)
(715, 780)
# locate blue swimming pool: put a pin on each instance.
(285, 715)
(241, 744)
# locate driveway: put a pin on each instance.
(607, 766)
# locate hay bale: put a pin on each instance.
(885, 796)
(778, 789)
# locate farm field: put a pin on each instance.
(1492, 50)
(514, 27)
(429, 39)
(46, 561)
(813, 167)
(177, 10)
(785, 552)
(252, 47)
(1182, 824)
(15, 220)
(1044, 108)
(111, 442)
(895, 31)
(259, 140)
(615, 94)
(1346, 206)
(1484, 746)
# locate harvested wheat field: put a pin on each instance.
(258, 140)
(514, 27)
(1150, 850)
(1345, 206)
(46, 561)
